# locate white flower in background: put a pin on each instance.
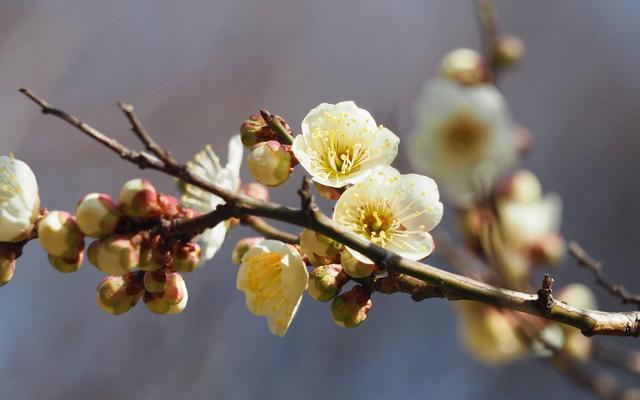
(393, 211)
(341, 143)
(463, 138)
(19, 200)
(273, 278)
(206, 165)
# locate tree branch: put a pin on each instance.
(449, 285)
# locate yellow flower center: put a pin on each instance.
(264, 280)
(463, 136)
(9, 186)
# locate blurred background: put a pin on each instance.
(194, 70)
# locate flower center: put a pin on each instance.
(463, 135)
(9, 186)
(265, 279)
(376, 223)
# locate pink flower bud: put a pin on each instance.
(350, 309)
(139, 199)
(118, 294)
(169, 206)
(326, 281)
(509, 49)
(270, 163)
(327, 192)
(242, 247)
(550, 250)
(256, 190)
(7, 269)
(186, 256)
(67, 264)
(155, 282)
(523, 185)
(464, 66)
(116, 255)
(172, 300)
(97, 215)
(59, 234)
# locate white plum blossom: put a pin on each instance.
(19, 200)
(463, 137)
(273, 278)
(393, 211)
(206, 165)
(341, 143)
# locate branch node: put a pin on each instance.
(545, 297)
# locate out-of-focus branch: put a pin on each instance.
(445, 284)
(269, 231)
(625, 359)
(489, 35)
(585, 260)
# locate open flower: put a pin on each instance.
(273, 279)
(19, 200)
(207, 166)
(341, 143)
(463, 138)
(393, 211)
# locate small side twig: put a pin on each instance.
(545, 293)
(585, 260)
(276, 124)
(150, 144)
(307, 202)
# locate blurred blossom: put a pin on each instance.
(341, 143)
(19, 200)
(273, 279)
(206, 165)
(393, 211)
(463, 137)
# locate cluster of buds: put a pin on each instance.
(139, 262)
(268, 138)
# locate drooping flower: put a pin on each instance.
(19, 200)
(393, 211)
(273, 279)
(207, 166)
(463, 137)
(341, 143)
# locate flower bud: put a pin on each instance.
(67, 264)
(156, 281)
(186, 256)
(325, 282)
(97, 215)
(118, 294)
(355, 268)
(256, 190)
(270, 163)
(150, 258)
(319, 249)
(523, 140)
(509, 49)
(139, 199)
(578, 295)
(523, 185)
(350, 309)
(116, 255)
(550, 250)
(464, 66)
(576, 345)
(7, 268)
(59, 234)
(242, 247)
(169, 206)
(253, 130)
(172, 300)
(327, 191)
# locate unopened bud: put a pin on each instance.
(509, 49)
(327, 192)
(139, 199)
(116, 255)
(270, 163)
(256, 190)
(253, 130)
(355, 268)
(350, 309)
(523, 185)
(150, 259)
(550, 250)
(67, 264)
(242, 247)
(576, 345)
(118, 294)
(523, 140)
(168, 206)
(186, 256)
(155, 282)
(326, 281)
(172, 300)
(97, 215)
(7, 269)
(464, 66)
(319, 249)
(59, 234)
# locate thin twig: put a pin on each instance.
(625, 359)
(585, 260)
(150, 144)
(269, 231)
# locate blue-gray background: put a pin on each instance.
(195, 69)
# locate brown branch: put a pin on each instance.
(624, 359)
(150, 144)
(276, 125)
(269, 231)
(450, 286)
(485, 11)
(585, 260)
